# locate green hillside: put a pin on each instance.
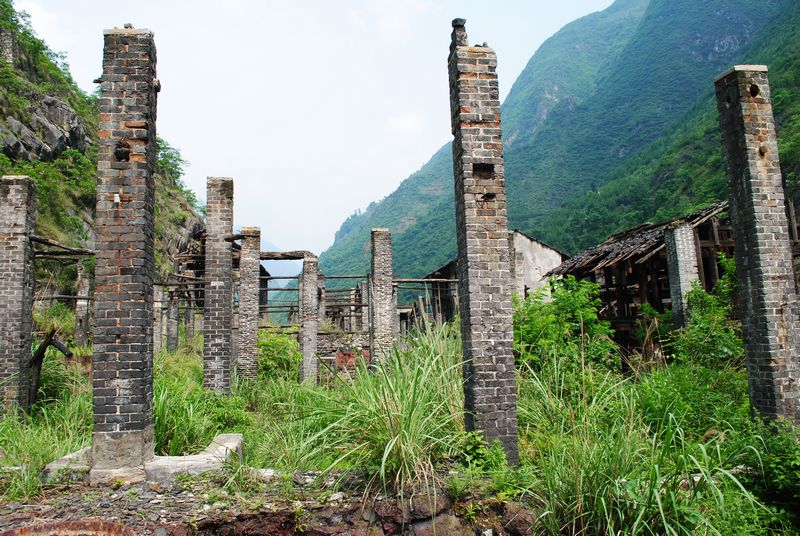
(599, 104)
(48, 131)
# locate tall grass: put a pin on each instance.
(598, 468)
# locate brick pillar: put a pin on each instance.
(172, 321)
(681, 268)
(249, 289)
(218, 303)
(363, 292)
(82, 308)
(122, 379)
(309, 317)
(17, 218)
(482, 237)
(158, 317)
(321, 297)
(767, 293)
(383, 307)
(188, 319)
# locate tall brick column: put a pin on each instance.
(82, 308)
(483, 251)
(122, 379)
(767, 293)
(17, 217)
(363, 292)
(249, 289)
(682, 268)
(382, 300)
(188, 319)
(172, 321)
(218, 303)
(158, 317)
(309, 319)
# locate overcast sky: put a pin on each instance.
(315, 108)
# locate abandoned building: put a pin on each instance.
(530, 262)
(220, 287)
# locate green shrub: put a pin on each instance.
(279, 356)
(564, 322)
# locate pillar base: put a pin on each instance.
(120, 456)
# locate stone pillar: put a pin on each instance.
(122, 379)
(249, 289)
(363, 287)
(17, 217)
(158, 317)
(383, 322)
(482, 237)
(218, 303)
(309, 317)
(82, 306)
(172, 321)
(682, 268)
(767, 293)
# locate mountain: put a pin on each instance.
(48, 131)
(599, 101)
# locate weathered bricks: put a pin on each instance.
(122, 379)
(158, 317)
(82, 309)
(383, 302)
(767, 294)
(309, 319)
(682, 268)
(17, 217)
(484, 279)
(172, 321)
(249, 291)
(218, 289)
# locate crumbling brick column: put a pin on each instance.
(122, 379)
(82, 307)
(17, 217)
(172, 321)
(309, 319)
(249, 289)
(158, 317)
(483, 250)
(363, 294)
(218, 302)
(382, 302)
(767, 293)
(682, 268)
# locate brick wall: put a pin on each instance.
(767, 294)
(218, 290)
(249, 289)
(383, 302)
(17, 216)
(309, 319)
(682, 268)
(122, 379)
(482, 235)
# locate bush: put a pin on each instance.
(279, 356)
(564, 323)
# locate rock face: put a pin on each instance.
(52, 128)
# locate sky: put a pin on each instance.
(315, 108)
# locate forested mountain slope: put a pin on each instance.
(597, 102)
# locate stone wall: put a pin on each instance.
(309, 319)
(482, 236)
(218, 290)
(383, 302)
(767, 293)
(682, 268)
(122, 379)
(17, 217)
(249, 290)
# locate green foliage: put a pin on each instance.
(58, 317)
(279, 356)
(564, 321)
